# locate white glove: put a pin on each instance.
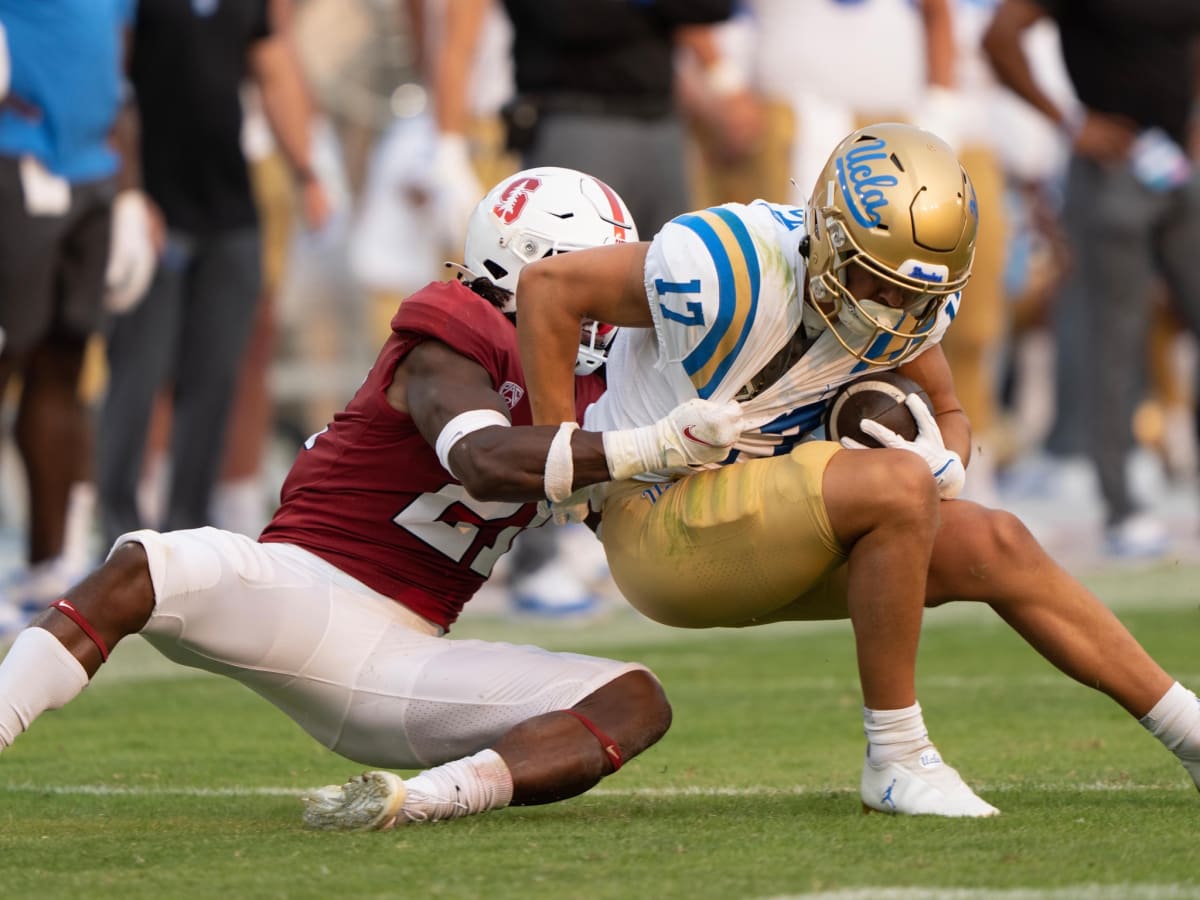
(5, 64)
(942, 112)
(946, 465)
(572, 511)
(131, 254)
(456, 184)
(695, 433)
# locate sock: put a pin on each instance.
(1175, 720)
(38, 674)
(893, 734)
(77, 556)
(470, 785)
(240, 506)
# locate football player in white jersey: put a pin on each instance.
(777, 307)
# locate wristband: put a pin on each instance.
(560, 464)
(462, 425)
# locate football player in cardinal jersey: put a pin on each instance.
(391, 518)
(778, 307)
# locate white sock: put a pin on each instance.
(893, 734)
(240, 506)
(77, 555)
(1175, 720)
(38, 674)
(470, 785)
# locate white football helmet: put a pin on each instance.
(540, 212)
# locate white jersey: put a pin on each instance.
(726, 289)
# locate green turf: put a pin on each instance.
(154, 785)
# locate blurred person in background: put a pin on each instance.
(188, 63)
(595, 90)
(1131, 208)
(74, 239)
(444, 143)
(242, 501)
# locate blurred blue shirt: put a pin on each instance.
(67, 61)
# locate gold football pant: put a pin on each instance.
(745, 544)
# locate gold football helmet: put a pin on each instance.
(894, 200)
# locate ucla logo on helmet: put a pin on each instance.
(861, 184)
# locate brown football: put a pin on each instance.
(878, 396)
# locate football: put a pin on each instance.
(878, 396)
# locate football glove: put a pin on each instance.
(5, 64)
(131, 256)
(695, 433)
(457, 185)
(945, 464)
(573, 510)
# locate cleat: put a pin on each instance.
(920, 785)
(368, 802)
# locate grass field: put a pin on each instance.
(159, 782)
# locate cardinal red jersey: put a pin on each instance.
(368, 493)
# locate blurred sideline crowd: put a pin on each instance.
(223, 336)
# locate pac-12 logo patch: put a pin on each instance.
(512, 393)
(508, 208)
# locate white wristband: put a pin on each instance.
(560, 464)
(462, 425)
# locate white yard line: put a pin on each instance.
(658, 793)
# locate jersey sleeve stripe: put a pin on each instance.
(735, 258)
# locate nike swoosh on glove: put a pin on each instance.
(946, 465)
(695, 433)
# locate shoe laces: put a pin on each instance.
(422, 807)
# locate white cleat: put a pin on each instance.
(367, 802)
(921, 785)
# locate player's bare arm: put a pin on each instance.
(495, 461)
(557, 294)
(434, 385)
